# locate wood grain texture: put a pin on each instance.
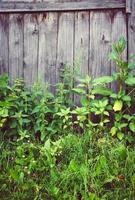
(15, 46)
(100, 40)
(81, 47)
(66, 5)
(47, 48)
(131, 30)
(31, 40)
(65, 48)
(4, 38)
(37, 45)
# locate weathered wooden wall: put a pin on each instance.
(38, 37)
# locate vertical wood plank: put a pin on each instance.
(4, 37)
(65, 48)
(131, 38)
(47, 48)
(131, 30)
(15, 46)
(100, 38)
(118, 21)
(31, 39)
(82, 40)
(81, 48)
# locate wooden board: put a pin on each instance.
(100, 40)
(47, 48)
(15, 46)
(4, 38)
(58, 5)
(31, 40)
(81, 49)
(131, 30)
(65, 48)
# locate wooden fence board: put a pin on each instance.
(47, 47)
(15, 46)
(131, 30)
(31, 37)
(100, 39)
(81, 48)
(4, 38)
(65, 48)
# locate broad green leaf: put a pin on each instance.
(126, 98)
(106, 113)
(102, 91)
(122, 125)
(113, 95)
(130, 81)
(113, 131)
(132, 126)
(106, 121)
(102, 80)
(120, 135)
(128, 117)
(78, 90)
(104, 102)
(118, 104)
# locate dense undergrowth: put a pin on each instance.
(52, 149)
